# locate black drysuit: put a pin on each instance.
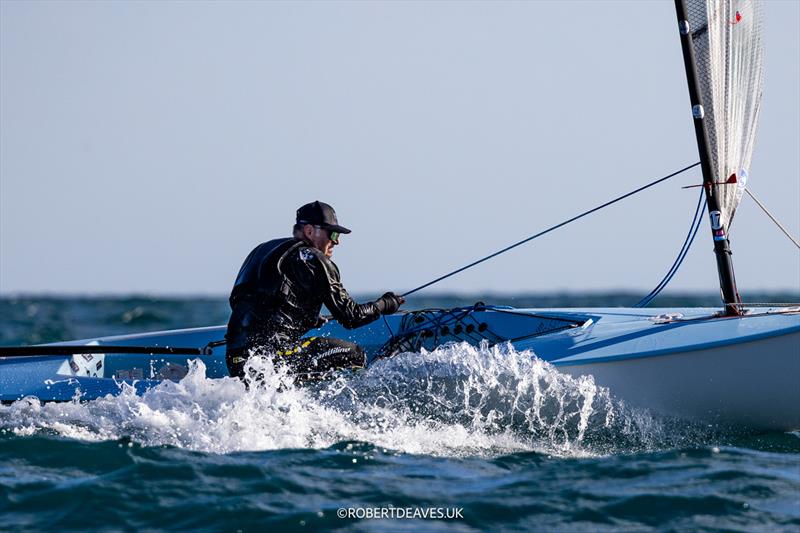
(277, 298)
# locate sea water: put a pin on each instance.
(459, 438)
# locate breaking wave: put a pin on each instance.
(458, 400)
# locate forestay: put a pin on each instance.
(727, 40)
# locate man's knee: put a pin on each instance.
(315, 355)
(334, 354)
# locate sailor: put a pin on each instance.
(278, 295)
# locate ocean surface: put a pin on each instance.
(458, 439)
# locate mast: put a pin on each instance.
(722, 250)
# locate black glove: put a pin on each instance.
(389, 303)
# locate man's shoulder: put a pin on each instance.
(280, 241)
(309, 254)
(316, 260)
(271, 244)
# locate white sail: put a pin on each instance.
(727, 40)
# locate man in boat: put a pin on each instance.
(278, 295)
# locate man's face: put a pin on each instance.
(320, 239)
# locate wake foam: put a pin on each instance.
(457, 400)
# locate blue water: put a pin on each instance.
(482, 438)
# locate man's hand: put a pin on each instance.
(321, 321)
(389, 303)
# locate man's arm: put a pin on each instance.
(343, 308)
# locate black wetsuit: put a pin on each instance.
(277, 298)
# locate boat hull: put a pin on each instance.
(689, 363)
(753, 384)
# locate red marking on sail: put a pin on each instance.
(737, 20)
(731, 178)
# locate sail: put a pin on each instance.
(727, 40)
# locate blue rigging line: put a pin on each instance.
(687, 243)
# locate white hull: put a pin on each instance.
(754, 384)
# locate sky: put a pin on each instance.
(147, 147)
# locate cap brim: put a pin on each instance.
(334, 227)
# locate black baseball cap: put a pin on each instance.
(320, 214)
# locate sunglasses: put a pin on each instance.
(332, 235)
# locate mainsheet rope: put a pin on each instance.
(548, 230)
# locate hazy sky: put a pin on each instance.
(148, 146)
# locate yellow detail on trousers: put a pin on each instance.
(297, 349)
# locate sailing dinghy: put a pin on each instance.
(739, 365)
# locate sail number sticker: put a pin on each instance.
(716, 225)
(716, 220)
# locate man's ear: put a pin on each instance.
(308, 231)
